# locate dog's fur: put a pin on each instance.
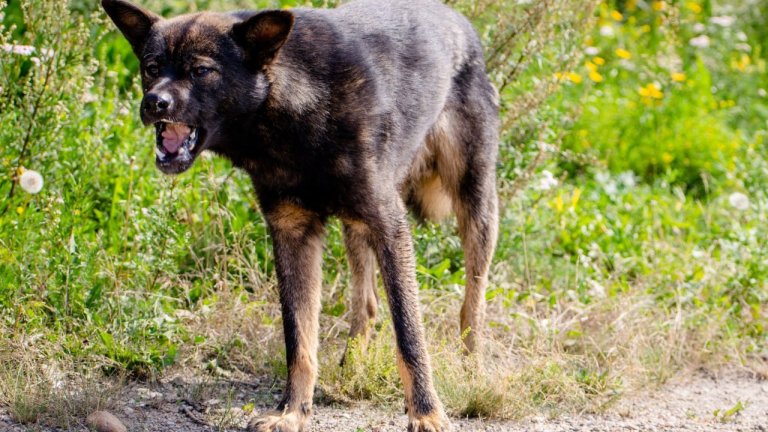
(358, 112)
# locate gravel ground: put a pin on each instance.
(685, 405)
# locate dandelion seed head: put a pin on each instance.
(31, 181)
(739, 201)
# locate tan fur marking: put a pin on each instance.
(445, 141)
(289, 217)
(405, 375)
(303, 373)
(291, 87)
(362, 264)
(434, 199)
(274, 420)
(477, 261)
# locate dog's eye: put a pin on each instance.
(200, 71)
(152, 70)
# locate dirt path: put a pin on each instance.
(701, 403)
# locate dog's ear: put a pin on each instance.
(262, 35)
(133, 21)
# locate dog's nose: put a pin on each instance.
(157, 103)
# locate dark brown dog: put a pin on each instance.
(359, 112)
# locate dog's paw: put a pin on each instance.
(277, 422)
(435, 422)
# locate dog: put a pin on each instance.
(362, 113)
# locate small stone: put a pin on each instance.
(103, 421)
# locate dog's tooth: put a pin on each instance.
(159, 153)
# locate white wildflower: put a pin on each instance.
(592, 51)
(606, 31)
(547, 182)
(723, 21)
(25, 50)
(700, 41)
(762, 93)
(739, 201)
(31, 181)
(741, 36)
(699, 28)
(627, 179)
(744, 47)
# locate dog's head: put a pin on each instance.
(199, 71)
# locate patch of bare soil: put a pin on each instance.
(705, 402)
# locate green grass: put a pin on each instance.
(639, 264)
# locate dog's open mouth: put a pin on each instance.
(177, 145)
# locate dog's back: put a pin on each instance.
(415, 70)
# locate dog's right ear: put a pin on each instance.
(133, 21)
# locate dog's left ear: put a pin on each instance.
(262, 35)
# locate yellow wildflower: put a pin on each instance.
(667, 158)
(595, 76)
(631, 5)
(20, 210)
(622, 53)
(599, 61)
(558, 203)
(575, 198)
(678, 76)
(616, 15)
(590, 66)
(742, 64)
(658, 5)
(650, 92)
(645, 28)
(694, 7)
(574, 77)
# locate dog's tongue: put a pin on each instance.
(174, 135)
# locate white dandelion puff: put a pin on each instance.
(31, 181)
(607, 31)
(590, 50)
(700, 41)
(739, 201)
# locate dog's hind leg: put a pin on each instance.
(477, 214)
(362, 265)
(466, 140)
(297, 237)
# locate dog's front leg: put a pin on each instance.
(392, 242)
(297, 237)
